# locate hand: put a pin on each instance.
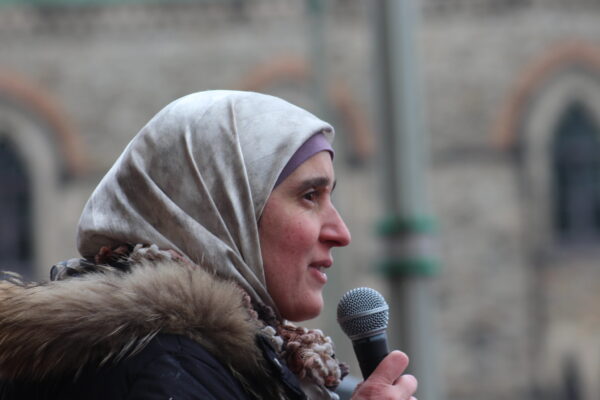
(387, 381)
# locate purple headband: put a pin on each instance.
(312, 146)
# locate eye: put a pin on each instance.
(311, 195)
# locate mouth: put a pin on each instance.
(320, 270)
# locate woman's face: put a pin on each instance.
(297, 230)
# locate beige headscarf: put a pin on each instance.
(196, 178)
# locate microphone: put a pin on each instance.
(363, 315)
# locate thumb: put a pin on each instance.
(390, 368)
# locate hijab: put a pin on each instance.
(196, 178)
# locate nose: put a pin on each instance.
(334, 230)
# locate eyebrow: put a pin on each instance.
(320, 181)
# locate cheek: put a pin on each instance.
(287, 241)
(299, 235)
(287, 248)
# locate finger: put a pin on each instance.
(407, 384)
(390, 368)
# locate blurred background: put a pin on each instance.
(468, 156)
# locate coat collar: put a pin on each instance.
(58, 327)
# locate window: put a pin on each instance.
(15, 215)
(576, 154)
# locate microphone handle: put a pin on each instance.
(369, 352)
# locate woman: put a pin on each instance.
(213, 228)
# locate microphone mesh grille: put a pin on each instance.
(362, 312)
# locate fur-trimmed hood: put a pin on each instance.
(58, 327)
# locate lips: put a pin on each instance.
(319, 268)
(325, 263)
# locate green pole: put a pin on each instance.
(318, 54)
(409, 229)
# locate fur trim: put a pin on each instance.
(58, 327)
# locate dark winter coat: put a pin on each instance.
(161, 331)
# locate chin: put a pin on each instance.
(305, 312)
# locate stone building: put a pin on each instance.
(513, 115)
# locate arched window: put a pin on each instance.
(576, 154)
(15, 211)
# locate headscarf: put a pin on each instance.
(195, 180)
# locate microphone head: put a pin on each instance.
(362, 312)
